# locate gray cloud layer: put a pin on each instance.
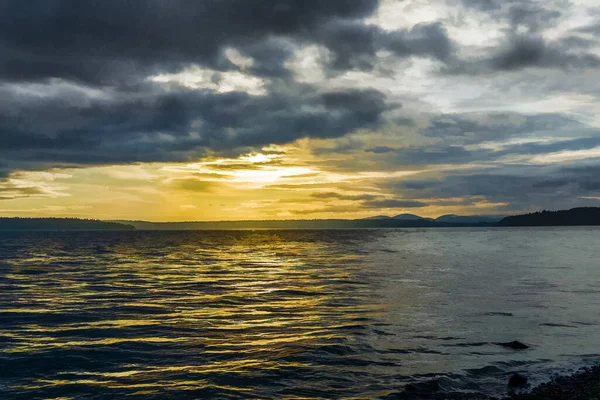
(116, 115)
(533, 187)
(107, 42)
(75, 88)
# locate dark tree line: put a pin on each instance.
(58, 224)
(573, 217)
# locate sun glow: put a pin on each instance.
(258, 158)
(254, 169)
(269, 174)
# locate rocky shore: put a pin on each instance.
(584, 385)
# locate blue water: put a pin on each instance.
(293, 314)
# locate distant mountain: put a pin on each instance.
(573, 217)
(60, 224)
(283, 224)
(448, 218)
(378, 217)
(576, 216)
(469, 219)
(410, 217)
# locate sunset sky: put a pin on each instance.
(171, 110)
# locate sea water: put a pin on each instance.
(294, 314)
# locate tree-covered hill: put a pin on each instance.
(572, 217)
(59, 224)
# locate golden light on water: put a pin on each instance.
(215, 312)
(284, 314)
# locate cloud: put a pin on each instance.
(460, 139)
(531, 188)
(128, 82)
(504, 89)
(175, 125)
(120, 43)
(435, 155)
(540, 153)
(528, 39)
(593, 29)
(10, 191)
(340, 196)
(533, 51)
(485, 5)
(533, 15)
(473, 128)
(195, 185)
(103, 43)
(354, 46)
(523, 51)
(393, 203)
(424, 39)
(380, 149)
(21, 185)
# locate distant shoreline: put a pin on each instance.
(588, 216)
(60, 224)
(294, 229)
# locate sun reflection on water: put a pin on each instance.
(148, 314)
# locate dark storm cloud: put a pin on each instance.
(364, 103)
(102, 42)
(533, 51)
(521, 51)
(108, 43)
(354, 45)
(425, 39)
(121, 42)
(177, 125)
(269, 57)
(75, 89)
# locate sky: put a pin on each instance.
(175, 110)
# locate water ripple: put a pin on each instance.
(266, 315)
